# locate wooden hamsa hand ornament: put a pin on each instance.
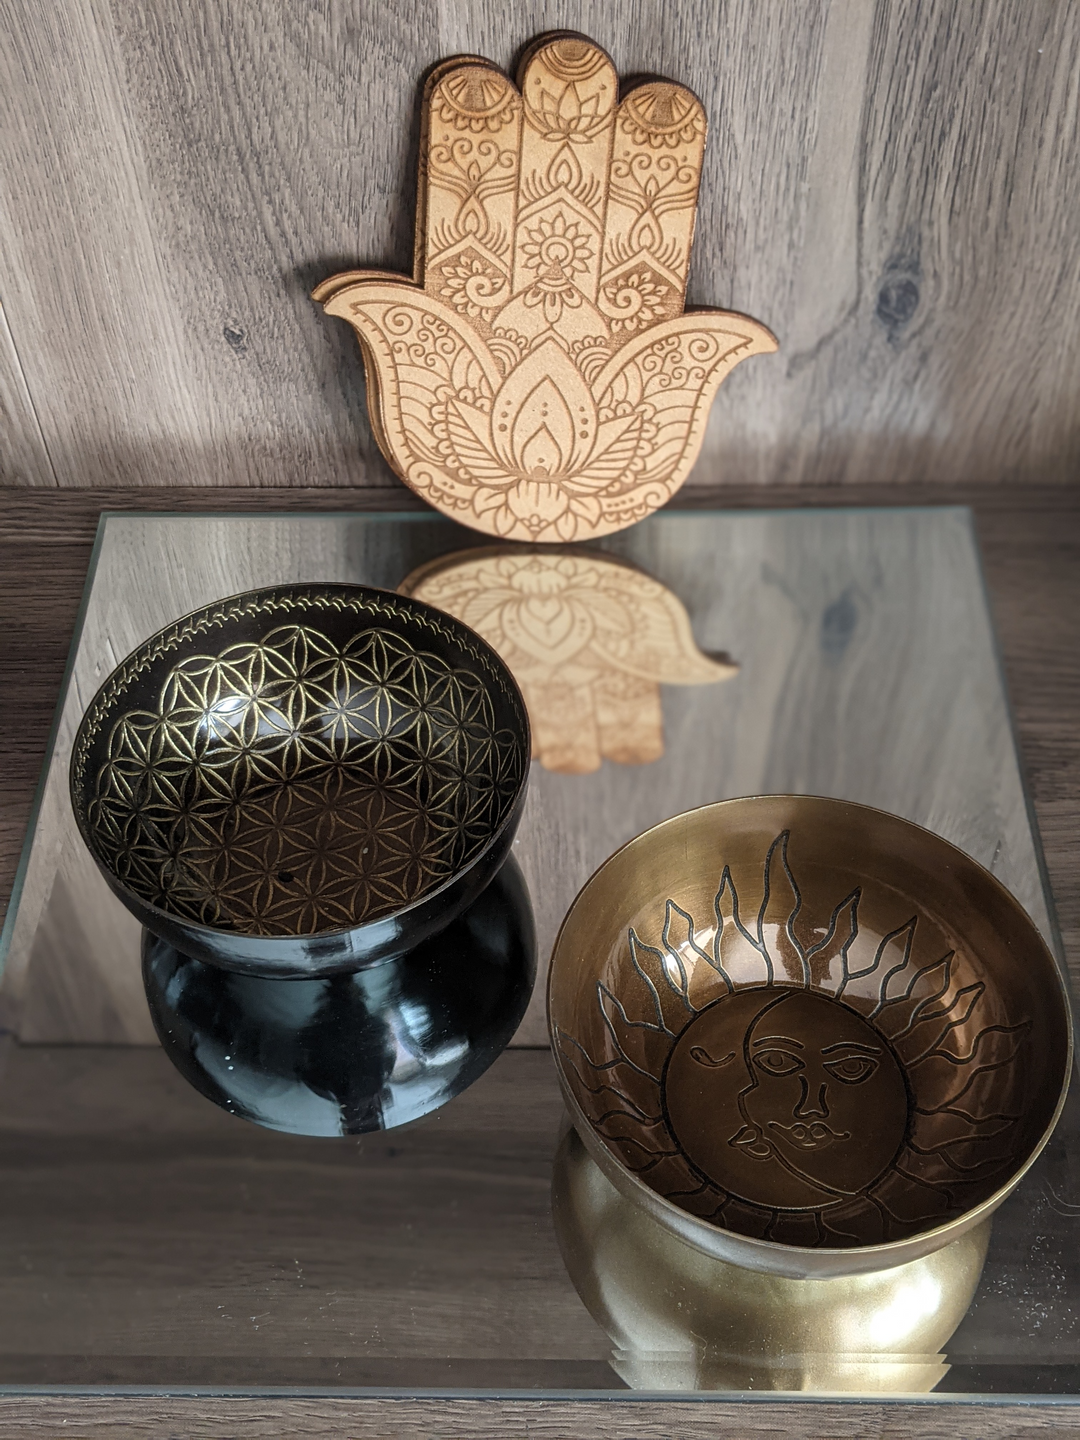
(539, 378)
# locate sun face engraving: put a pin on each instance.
(820, 1077)
(785, 1098)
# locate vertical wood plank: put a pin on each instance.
(179, 181)
(24, 459)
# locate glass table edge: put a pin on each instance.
(510, 1395)
(8, 928)
(485, 538)
(1055, 939)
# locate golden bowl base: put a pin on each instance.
(680, 1320)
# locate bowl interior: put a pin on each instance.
(299, 760)
(808, 1022)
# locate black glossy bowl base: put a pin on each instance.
(352, 1053)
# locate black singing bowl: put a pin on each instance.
(345, 1054)
(302, 781)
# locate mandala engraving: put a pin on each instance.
(539, 377)
(791, 1077)
(589, 639)
(292, 785)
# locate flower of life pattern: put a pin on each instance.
(290, 786)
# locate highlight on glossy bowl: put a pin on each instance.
(809, 1036)
(304, 779)
(346, 1054)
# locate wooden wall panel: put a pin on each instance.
(890, 185)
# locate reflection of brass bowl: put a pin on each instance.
(304, 780)
(681, 1320)
(808, 1037)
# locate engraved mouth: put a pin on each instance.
(814, 1136)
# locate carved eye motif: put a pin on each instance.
(778, 1063)
(852, 1069)
(702, 1056)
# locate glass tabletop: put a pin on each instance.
(152, 1239)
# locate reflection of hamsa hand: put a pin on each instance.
(539, 378)
(590, 641)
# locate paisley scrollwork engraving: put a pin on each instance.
(554, 230)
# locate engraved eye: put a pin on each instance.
(778, 1062)
(852, 1069)
(702, 1056)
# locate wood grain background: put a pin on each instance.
(889, 184)
(164, 1417)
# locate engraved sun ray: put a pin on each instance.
(766, 994)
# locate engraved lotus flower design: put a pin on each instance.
(589, 639)
(540, 450)
(538, 378)
(567, 115)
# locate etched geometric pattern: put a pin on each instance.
(289, 786)
(797, 1077)
(538, 378)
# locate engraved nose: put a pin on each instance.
(804, 1108)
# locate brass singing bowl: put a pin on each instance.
(808, 1037)
(302, 781)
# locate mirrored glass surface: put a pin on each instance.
(150, 1238)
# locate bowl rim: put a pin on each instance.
(808, 1259)
(142, 656)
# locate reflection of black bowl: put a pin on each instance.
(301, 781)
(349, 1053)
